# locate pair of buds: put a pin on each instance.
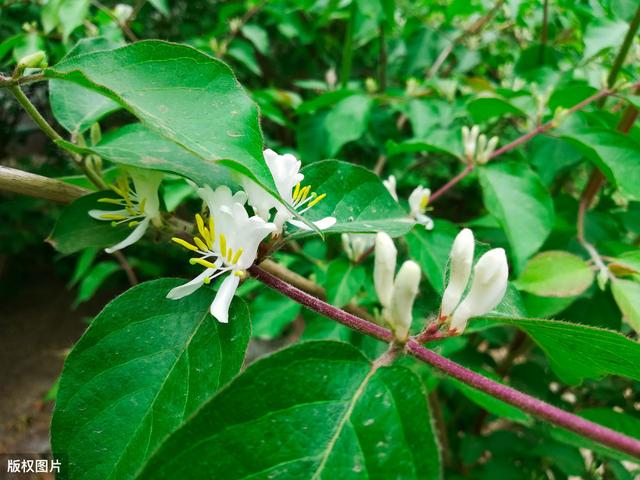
(477, 148)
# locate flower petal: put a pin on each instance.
(189, 287)
(220, 306)
(136, 235)
(322, 224)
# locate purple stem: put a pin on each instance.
(529, 404)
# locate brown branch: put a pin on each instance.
(25, 183)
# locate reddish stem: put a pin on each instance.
(443, 189)
(507, 394)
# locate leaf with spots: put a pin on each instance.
(145, 364)
(317, 410)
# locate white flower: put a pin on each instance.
(357, 244)
(489, 284)
(396, 295)
(390, 185)
(418, 201)
(405, 289)
(228, 243)
(460, 262)
(285, 170)
(139, 206)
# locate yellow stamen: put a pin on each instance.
(316, 200)
(133, 223)
(424, 201)
(141, 206)
(206, 280)
(212, 230)
(237, 256)
(296, 191)
(304, 192)
(203, 262)
(185, 244)
(200, 244)
(202, 229)
(239, 273)
(229, 254)
(112, 216)
(223, 245)
(114, 201)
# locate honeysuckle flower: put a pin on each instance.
(405, 289)
(460, 263)
(139, 206)
(397, 294)
(489, 284)
(477, 149)
(227, 243)
(285, 170)
(356, 244)
(390, 185)
(418, 201)
(384, 268)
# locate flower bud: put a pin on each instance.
(405, 289)
(123, 12)
(488, 287)
(384, 268)
(390, 185)
(33, 60)
(460, 262)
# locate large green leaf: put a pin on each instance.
(137, 146)
(356, 197)
(183, 94)
(486, 108)
(76, 230)
(514, 194)
(615, 154)
(343, 281)
(143, 366)
(75, 107)
(576, 352)
(315, 410)
(556, 274)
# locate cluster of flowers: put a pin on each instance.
(227, 242)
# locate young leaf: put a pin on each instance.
(315, 410)
(514, 194)
(357, 199)
(143, 366)
(181, 93)
(555, 274)
(76, 230)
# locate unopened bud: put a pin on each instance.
(460, 262)
(559, 116)
(331, 78)
(405, 289)
(488, 287)
(96, 134)
(33, 60)
(390, 185)
(371, 85)
(123, 12)
(384, 268)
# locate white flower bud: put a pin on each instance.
(122, 12)
(460, 262)
(384, 268)
(331, 78)
(390, 185)
(488, 287)
(405, 289)
(469, 140)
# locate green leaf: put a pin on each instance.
(514, 194)
(627, 296)
(271, 313)
(440, 141)
(93, 279)
(431, 248)
(76, 230)
(618, 421)
(182, 94)
(68, 14)
(486, 108)
(556, 274)
(346, 122)
(615, 154)
(315, 410)
(602, 33)
(356, 197)
(576, 352)
(137, 146)
(343, 281)
(76, 108)
(143, 366)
